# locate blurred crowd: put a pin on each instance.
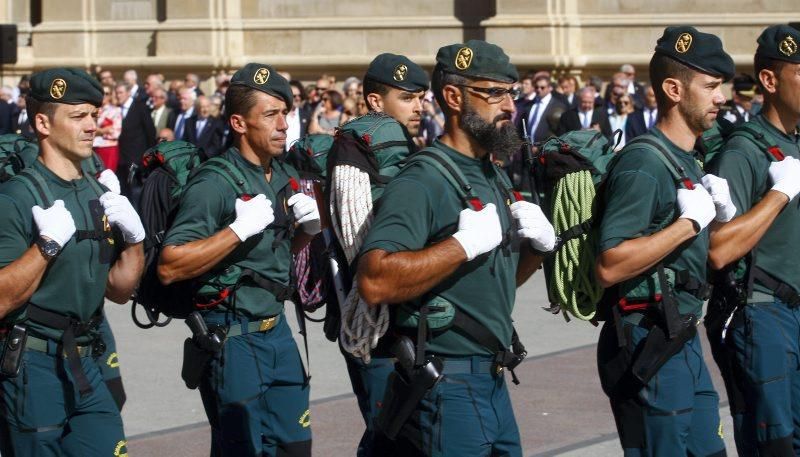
(137, 114)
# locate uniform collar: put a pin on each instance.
(279, 175)
(52, 178)
(762, 121)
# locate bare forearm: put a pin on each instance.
(195, 258)
(633, 257)
(529, 262)
(731, 241)
(402, 276)
(20, 279)
(125, 274)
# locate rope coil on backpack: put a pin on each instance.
(351, 210)
(574, 288)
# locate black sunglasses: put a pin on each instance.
(494, 92)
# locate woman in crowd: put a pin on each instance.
(328, 114)
(109, 127)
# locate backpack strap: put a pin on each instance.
(676, 170)
(230, 173)
(36, 184)
(759, 137)
(447, 168)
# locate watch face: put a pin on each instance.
(49, 248)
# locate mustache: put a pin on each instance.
(501, 117)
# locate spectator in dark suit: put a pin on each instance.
(20, 124)
(542, 117)
(299, 117)
(739, 109)
(568, 87)
(6, 110)
(635, 88)
(203, 130)
(192, 81)
(138, 134)
(132, 80)
(525, 100)
(154, 81)
(162, 115)
(642, 120)
(585, 115)
(186, 97)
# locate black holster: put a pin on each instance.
(406, 387)
(13, 348)
(658, 348)
(199, 349)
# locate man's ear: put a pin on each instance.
(769, 80)
(375, 102)
(453, 97)
(673, 89)
(237, 124)
(42, 123)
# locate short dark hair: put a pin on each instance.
(663, 67)
(765, 63)
(370, 86)
(442, 78)
(239, 99)
(34, 107)
(336, 98)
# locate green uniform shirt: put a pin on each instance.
(74, 283)
(208, 205)
(640, 198)
(745, 165)
(420, 206)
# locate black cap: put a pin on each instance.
(779, 42)
(263, 77)
(700, 51)
(477, 59)
(71, 86)
(397, 71)
(744, 85)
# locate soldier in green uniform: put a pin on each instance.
(61, 258)
(427, 246)
(653, 251)
(393, 90)
(239, 240)
(763, 334)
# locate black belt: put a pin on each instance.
(688, 283)
(71, 328)
(780, 289)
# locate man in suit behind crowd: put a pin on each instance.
(138, 134)
(202, 130)
(20, 124)
(642, 120)
(300, 115)
(132, 80)
(186, 98)
(542, 117)
(162, 115)
(585, 115)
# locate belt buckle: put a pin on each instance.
(267, 324)
(498, 369)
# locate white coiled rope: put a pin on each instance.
(351, 215)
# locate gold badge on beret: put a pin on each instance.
(683, 43)
(58, 88)
(400, 73)
(261, 76)
(464, 58)
(788, 46)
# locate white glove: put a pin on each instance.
(534, 225)
(721, 195)
(121, 214)
(306, 212)
(252, 216)
(55, 223)
(785, 176)
(110, 180)
(697, 205)
(479, 231)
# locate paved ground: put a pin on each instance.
(559, 405)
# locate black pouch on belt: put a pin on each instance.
(657, 348)
(199, 349)
(13, 348)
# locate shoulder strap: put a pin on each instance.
(676, 170)
(444, 165)
(758, 136)
(98, 189)
(225, 168)
(35, 182)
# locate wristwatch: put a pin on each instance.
(48, 248)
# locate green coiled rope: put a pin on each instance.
(573, 284)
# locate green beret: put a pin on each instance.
(263, 77)
(397, 71)
(779, 42)
(66, 85)
(698, 50)
(476, 59)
